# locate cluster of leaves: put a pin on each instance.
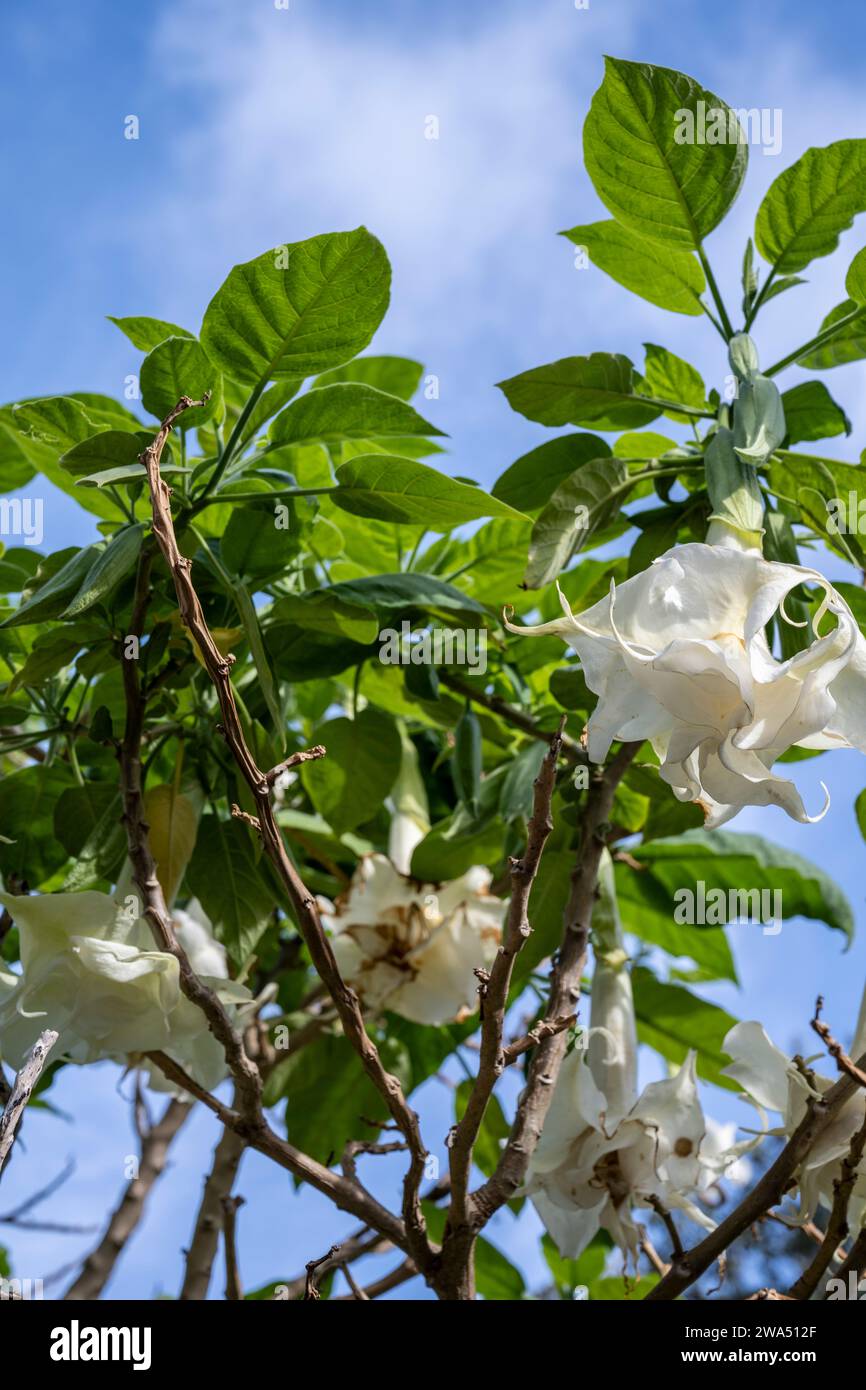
(301, 493)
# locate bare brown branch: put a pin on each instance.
(22, 1089)
(155, 1145)
(302, 900)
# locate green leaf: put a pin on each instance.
(322, 611)
(669, 376)
(645, 907)
(645, 169)
(18, 565)
(59, 420)
(569, 1274)
(406, 594)
(389, 488)
(108, 449)
(453, 845)
(30, 847)
(577, 510)
(527, 485)
(811, 413)
(399, 376)
(49, 597)
(112, 565)
(100, 852)
(230, 886)
(79, 810)
(736, 863)
(180, 367)
(50, 653)
(348, 786)
(855, 280)
(329, 1067)
(673, 1020)
(253, 545)
(347, 410)
(597, 390)
(146, 333)
(787, 282)
(816, 486)
(849, 344)
(299, 309)
(665, 276)
(810, 204)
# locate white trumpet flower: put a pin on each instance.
(774, 1082)
(678, 655)
(605, 1150)
(90, 970)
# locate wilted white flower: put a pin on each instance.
(678, 654)
(90, 970)
(774, 1082)
(413, 947)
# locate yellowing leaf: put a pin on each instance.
(173, 827)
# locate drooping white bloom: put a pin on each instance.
(678, 655)
(772, 1079)
(413, 947)
(604, 1149)
(90, 970)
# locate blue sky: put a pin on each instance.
(260, 126)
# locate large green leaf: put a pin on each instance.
(816, 486)
(669, 376)
(577, 510)
(811, 413)
(28, 844)
(58, 579)
(252, 544)
(399, 376)
(659, 272)
(299, 309)
(111, 565)
(348, 786)
(180, 367)
(389, 488)
(848, 345)
(647, 174)
(810, 204)
(398, 595)
(329, 1097)
(347, 410)
(673, 1020)
(737, 864)
(645, 908)
(597, 390)
(529, 482)
(323, 611)
(231, 887)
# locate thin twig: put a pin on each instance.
(837, 1052)
(230, 1206)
